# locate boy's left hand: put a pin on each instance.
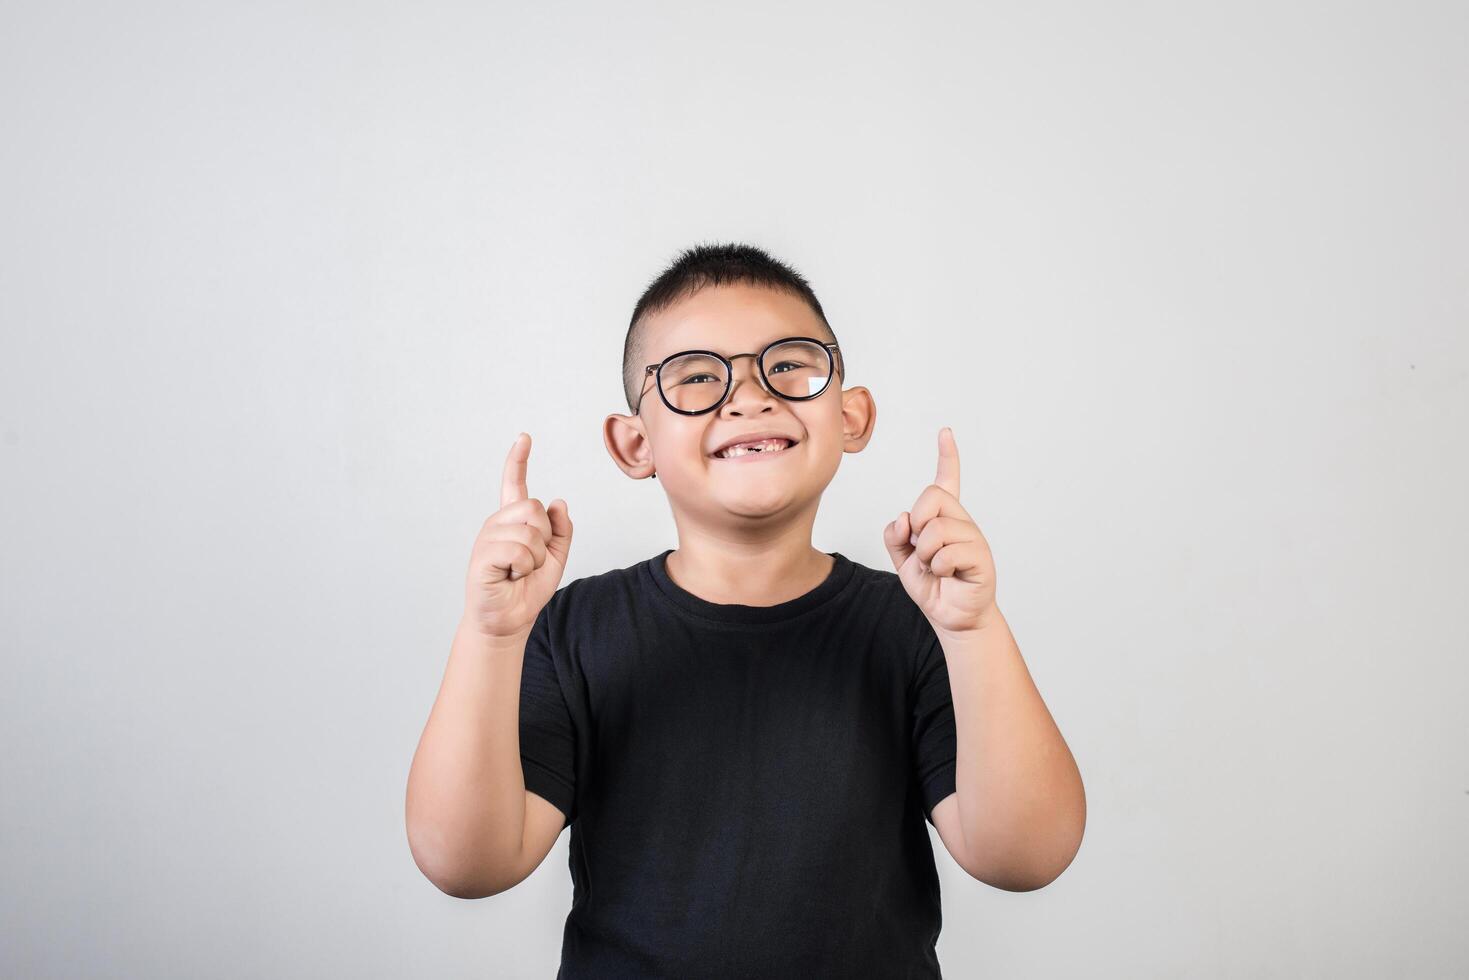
(940, 555)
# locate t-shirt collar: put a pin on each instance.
(730, 612)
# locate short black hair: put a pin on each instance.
(696, 268)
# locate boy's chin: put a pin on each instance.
(759, 477)
(751, 497)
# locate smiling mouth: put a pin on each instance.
(766, 447)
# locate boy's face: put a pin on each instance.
(738, 319)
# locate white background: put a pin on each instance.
(280, 283)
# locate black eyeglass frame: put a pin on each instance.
(834, 361)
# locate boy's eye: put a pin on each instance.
(703, 377)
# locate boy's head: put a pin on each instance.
(735, 300)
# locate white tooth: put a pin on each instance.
(767, 446)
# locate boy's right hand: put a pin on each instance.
(518, 557)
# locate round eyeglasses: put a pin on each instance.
(693, 382)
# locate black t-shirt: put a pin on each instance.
(746, 785)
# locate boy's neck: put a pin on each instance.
(747, 573)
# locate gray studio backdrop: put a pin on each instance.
(281, 282)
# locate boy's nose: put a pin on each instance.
(745, 386)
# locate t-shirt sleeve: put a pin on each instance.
(934, 742)
(547, 735)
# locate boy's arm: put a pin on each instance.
(1017, 815)
(473, 828)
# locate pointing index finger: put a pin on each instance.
(948, 473)
(512, 484)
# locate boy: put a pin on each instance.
(745, 734)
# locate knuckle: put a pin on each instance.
(500, 531)
(507, 547)
(515, 535)
(506, 514)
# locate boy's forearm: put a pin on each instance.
(465, 809)
(1021, 801)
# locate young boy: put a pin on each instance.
(745, 734)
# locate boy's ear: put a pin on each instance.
(859, 416)
(628, 446)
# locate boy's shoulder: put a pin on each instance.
(612, 578)
(598, 586)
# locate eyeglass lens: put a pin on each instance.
(696, 382)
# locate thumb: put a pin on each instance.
(898, 538)
(560, 543)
